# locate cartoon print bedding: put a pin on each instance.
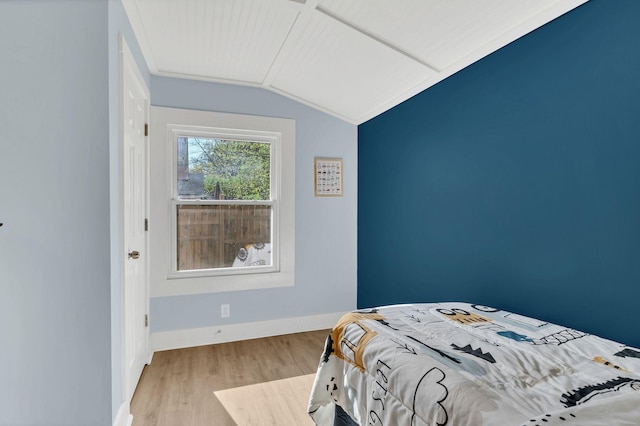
(468, 365)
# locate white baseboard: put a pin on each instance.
(124, 417)
(177, 339)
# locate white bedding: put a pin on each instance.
(463, 364)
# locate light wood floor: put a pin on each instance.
(177, 389)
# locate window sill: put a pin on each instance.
(174, 286)
(222, 272)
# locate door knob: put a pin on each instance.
(134, 254)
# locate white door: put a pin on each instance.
(135, 107)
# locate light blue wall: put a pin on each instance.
(515, 182)
(55, 357)
(118, 25)
(61, 336)
(325, 228)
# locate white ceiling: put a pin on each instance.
(353, 59)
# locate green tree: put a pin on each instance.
(240, 168)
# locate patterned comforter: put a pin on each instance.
(464, 364)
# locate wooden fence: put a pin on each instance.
(210, 236)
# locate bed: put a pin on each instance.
(470, 365)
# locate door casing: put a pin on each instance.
(134, 312)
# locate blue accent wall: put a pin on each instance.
(515, 182)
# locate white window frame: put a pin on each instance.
(274, 139)
(165, 122)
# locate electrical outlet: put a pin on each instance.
(225, 311)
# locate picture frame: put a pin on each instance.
(328, 177)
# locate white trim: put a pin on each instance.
(127, 62)
(274, 141)
(124, 417)
(131, 9)
(177, 339)
(164, 281)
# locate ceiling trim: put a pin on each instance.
(311, 7)
(506, 38)
(131, 9)
(376, 38)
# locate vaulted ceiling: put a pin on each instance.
(353, 59)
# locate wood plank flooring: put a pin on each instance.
(177, 389)
(280, 402)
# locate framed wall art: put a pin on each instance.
(327, 177)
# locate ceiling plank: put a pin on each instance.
(353, 59)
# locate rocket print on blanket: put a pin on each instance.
(350, 337)
(468, 318)
(462, 316)
(605, 362)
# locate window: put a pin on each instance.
(230, 201)
(225, 201)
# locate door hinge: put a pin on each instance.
(146, 224)
(146, 129)
(146, 320)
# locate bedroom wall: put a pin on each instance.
(59, 175)
(325, 231)
(515, 183)
(55, 362)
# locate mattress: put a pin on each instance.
(465, 364)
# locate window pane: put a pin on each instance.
(219, 169)
(223, 236)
